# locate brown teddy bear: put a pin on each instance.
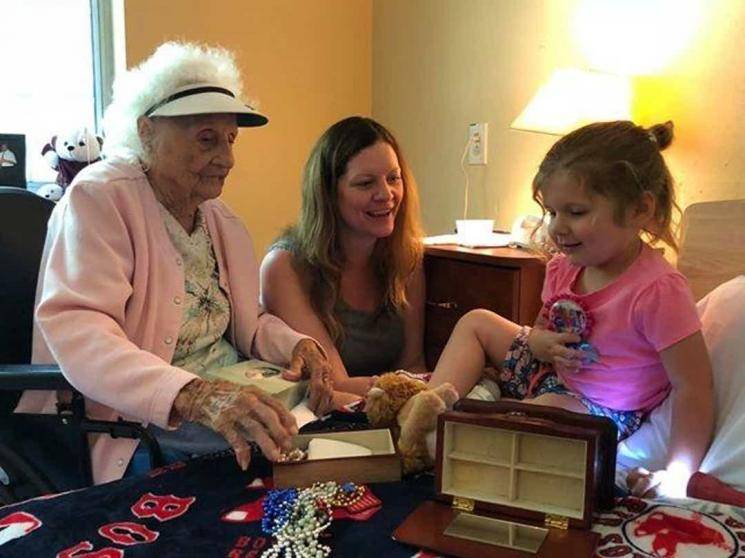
(400, 401)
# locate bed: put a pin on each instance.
(712, 244)
(712, 257)
(712, 522)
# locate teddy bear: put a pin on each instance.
(50, 191)
(69, 152)
(405, 403)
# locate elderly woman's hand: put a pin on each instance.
(309, 362)
(238, 413)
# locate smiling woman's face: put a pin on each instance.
(193, 154)
(370, 192)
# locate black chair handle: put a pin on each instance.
(32, 376)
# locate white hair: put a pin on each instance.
(172, 65)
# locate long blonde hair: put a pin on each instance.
(315, 241)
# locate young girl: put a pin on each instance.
(637, 335)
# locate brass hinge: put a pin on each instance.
(557, 522)
(462, 504)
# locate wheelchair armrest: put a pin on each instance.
(19, 377)
(32, 376)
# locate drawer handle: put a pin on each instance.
(445, 305)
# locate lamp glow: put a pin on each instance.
(572, 98)
(674, 481)
(639, 37)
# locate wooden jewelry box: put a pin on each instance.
(515, 481)
(382, 465)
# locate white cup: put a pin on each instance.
(472, 232)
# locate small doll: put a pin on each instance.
(567, 314)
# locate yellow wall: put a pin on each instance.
(307, 62)
(427, 68)
(441, 64)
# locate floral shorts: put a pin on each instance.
(523, 376)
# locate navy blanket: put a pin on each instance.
(181, 511)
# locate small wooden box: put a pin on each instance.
(384, 465)
(514, 481)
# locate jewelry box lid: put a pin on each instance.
(605, 431)
(521, 467)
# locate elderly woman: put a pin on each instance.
(349, 272)
(148, 281)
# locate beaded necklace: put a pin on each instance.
(296, 517)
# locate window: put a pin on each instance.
(58, 66)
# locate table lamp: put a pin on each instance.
(572, 98)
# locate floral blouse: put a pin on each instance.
(201, 344)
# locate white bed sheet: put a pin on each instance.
(723, 319)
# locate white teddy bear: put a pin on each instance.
(68, 153)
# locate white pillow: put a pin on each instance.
(722, 314)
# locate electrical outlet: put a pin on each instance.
(477, 136)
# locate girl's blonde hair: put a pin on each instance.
(621, 161)
(315, 239)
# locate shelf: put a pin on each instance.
(549, 470)
(476, 458)
(477, 480)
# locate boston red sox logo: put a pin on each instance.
(128, 533)
(664, 530)
(16, 525)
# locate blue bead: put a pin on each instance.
(277, 508)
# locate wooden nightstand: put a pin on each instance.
(507, 281)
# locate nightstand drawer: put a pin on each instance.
(455, 287)
(504, 281)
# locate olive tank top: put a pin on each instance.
(372, 341)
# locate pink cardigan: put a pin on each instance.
(109, 303)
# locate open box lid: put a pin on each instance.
(518, 467)
(606, 435)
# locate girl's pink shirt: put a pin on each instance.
(109, 303)
(647, 309)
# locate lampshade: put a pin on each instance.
(572, 98)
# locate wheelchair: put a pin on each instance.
(39, 454)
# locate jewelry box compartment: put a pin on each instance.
(605, 434)
(383, 463)
(510, 485)
(516, 469)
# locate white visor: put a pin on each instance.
(205, 98)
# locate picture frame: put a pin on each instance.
(13, 160)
